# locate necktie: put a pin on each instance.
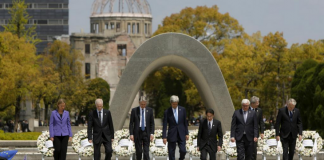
(143, 127)
(209, 128)
(100, 117)
(290, 115)
(244, 112)
(175, 115)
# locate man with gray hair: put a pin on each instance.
(290, 124)
(175, 117)
(141, 128)
(101, 130)
(254, 106)
(244, 130)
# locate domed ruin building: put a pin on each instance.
(118, 28)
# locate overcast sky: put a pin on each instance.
(299, 20)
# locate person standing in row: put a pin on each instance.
(175, 118)
(288, 125)
(259, 114)
(208, 131)
(101, 130)
(60, 130)
(141, 128)
(244, 130)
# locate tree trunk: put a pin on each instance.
(17, 111)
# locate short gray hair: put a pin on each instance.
(292, 101)
(99, 101)
(245, 101)
(174, 98)
(254, 99)
(142, 98)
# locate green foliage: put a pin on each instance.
(17, 71)
(92, 90)
(167, 81)
(19, 20)
(19, 136)
(307, 88)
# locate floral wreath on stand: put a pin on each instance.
(309, 151)
(265, 148)
(41, 144)
(229, 151)
(191, 149)
(158, 151)
(77, 140)
(122, 150)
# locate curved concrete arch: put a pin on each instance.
(180, 51)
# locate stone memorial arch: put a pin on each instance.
(180, 51)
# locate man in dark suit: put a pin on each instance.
(289, 121)
(259, 114)
(101, 124)
(207, 136)
(244, 130)
(141, 128)
(175, 117)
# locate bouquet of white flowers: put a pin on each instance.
(189, 144)
(122, 150)
(229, 150)
(316, 144)
(160, 150)
(46, 150)
(80, 144)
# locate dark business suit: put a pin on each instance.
(259, 115)
(141, 137)
(289, 128)
(176, 132)
(207, 140)
(102, 133)
(244, 142)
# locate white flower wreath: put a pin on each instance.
(86, 151)
(122, 151)
(265, 148)
(41, 141)
(230, 151)
(309, 151)
(158, 151)
(191, 149)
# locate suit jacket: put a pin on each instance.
(286, 126)
(174, 128)
(134, 123)
(259, 114)
(239, 126)
(106, 129)
(60, 126)
(204, 137)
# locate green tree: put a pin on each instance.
(68, 63)
(17, 71)
(307, 88)
(205, 24)
(97, 88)
(18, 24)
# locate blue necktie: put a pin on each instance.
(290, 115)
(143, 127)
(175, 115)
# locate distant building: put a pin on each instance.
(50, 16)
(113, 39)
